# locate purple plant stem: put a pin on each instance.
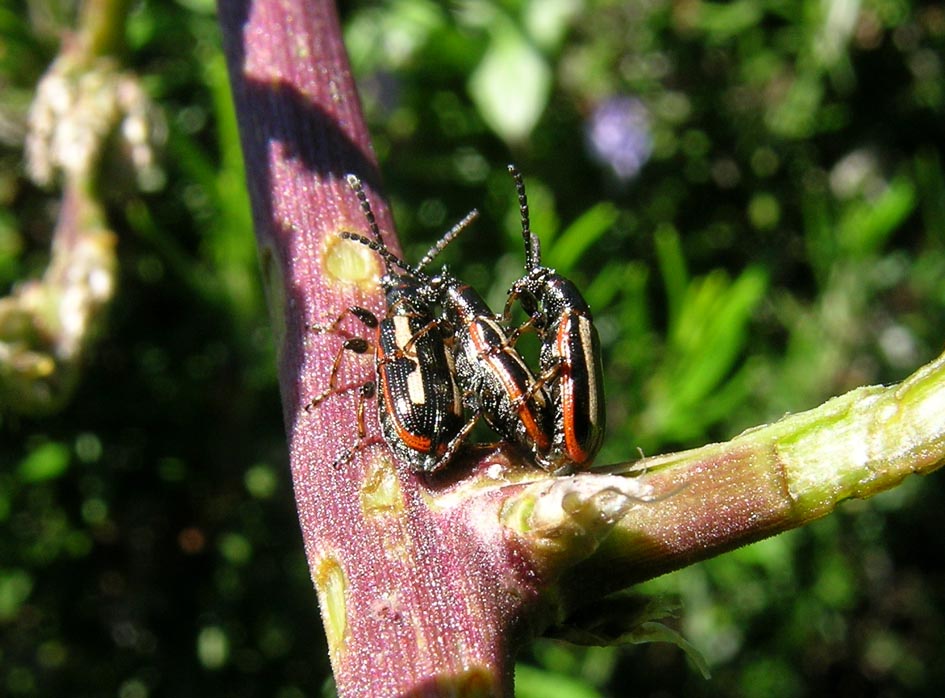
(415, 602)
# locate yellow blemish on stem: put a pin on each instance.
(350, 262)
(475, 682)
(517, 515)
(380, 492)
(331, 585)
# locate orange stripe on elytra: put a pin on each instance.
(572, 444)
(512, 390)
(532, 428)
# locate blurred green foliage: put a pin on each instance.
(750, 193)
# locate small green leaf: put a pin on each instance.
(580, 235)
(712, 330)
(796, 115)
(547, 21)
(390, 35)
(868, 224)
(722, 21)
(15, 588)
(652, 631)
(511, 84)
(672, 263)
(11, 245)
(531, 682)
(45, 462)
(629, 618)
(693, 387)
(628, 280)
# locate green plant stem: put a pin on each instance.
(101, 28)
(770, 479)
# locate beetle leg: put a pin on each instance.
(455, 443)
(549, 374)
(530, 325)
(358, 345)
(419, 333)
(366, 392)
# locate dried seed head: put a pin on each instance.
(78, 108)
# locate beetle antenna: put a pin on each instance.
(378, 243)
(532, 245)
(355, 184)
(447, 238)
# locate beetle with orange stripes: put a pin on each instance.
(419, 404)
(570, 355)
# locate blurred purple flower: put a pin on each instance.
(618, 135)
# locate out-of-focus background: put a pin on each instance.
(751, 195)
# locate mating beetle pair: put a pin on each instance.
(430, 367)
